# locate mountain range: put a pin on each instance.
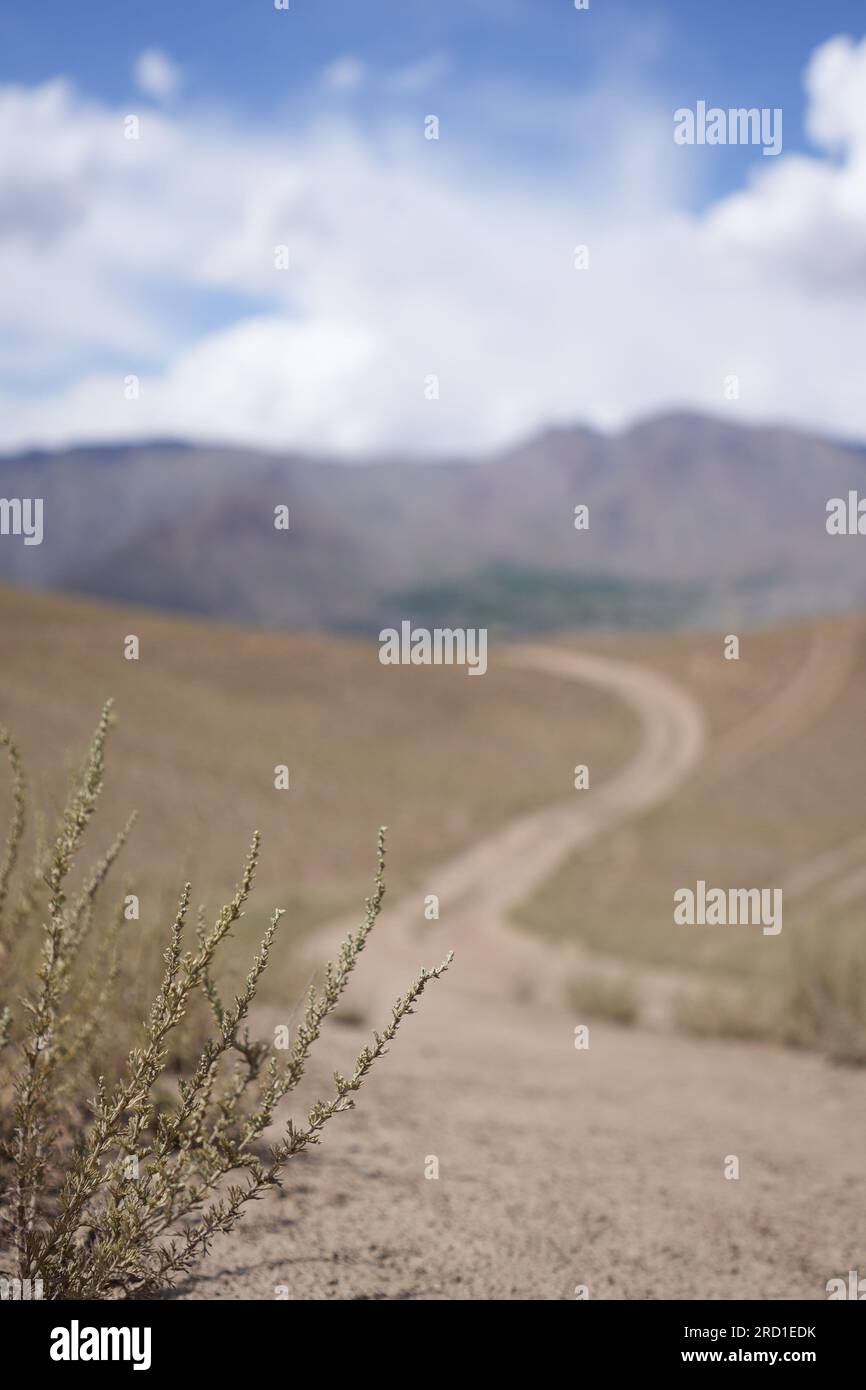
(692, 519)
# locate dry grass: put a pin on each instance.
(114, 1188)
(445, 759)
(756, 827)
(824, 996)
(717, 1011)
(788, 799)
(209, 710)
(599, 994)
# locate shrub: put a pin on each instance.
(824, 1002)
(115, 1193)
(604, 995)
(725, 1011)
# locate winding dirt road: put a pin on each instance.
(557, 1167)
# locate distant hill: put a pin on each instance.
(210, 709)
(692, 519)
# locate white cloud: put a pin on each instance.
(156, 75)
(836, 84)
(804, 220)
(410, 258)
(344, 75)
(418, 76)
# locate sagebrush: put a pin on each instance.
(108, 1188)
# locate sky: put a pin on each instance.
(281, 257)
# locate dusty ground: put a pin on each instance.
(557, 1167)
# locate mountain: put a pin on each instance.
(691, 519)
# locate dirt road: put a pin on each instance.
(557, 1167)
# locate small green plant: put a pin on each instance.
(113, 1194)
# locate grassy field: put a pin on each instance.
(208, 710)
(778, 802)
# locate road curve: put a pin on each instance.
(556, 1168)
(480, 886)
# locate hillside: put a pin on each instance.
(742, 772)
(691, 520)
(776, 800)
(208, 710)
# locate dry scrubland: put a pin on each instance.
(777, 802)
(558, 1168)
(443, 759)
(208, 710)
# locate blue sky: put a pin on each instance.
(740, 52)
(409, 258)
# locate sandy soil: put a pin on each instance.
(557, 1167)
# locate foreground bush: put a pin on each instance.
(824, 1003)
(115, 1193)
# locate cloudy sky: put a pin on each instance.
(410, 258)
